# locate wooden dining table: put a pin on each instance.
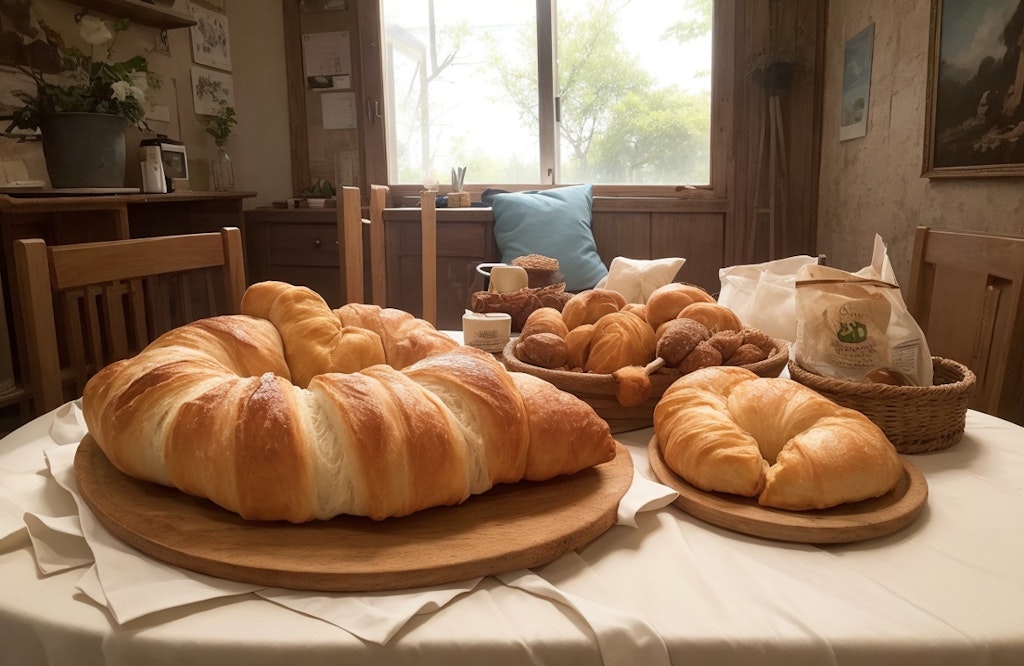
(670, 589)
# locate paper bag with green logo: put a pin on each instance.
(856, 326)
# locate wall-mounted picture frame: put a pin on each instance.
(974, 124)
(211, 44)
(210, 90)
(853, 121)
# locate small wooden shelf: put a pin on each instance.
(143, 13)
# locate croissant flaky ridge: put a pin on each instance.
(210, 408)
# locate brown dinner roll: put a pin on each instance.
(544, 320)
(588, 306)
(747, 354)
(578, 342)
(727, 342)
(716, 317)
(667, 301)
(679, 337)
(704, 355)
(546, 350)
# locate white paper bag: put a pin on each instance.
(763, 295)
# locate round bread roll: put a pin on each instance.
(588, 306)
(667, 301)
(619, 339)
(639, 309)
(213, 408)
(725, 429)
(543, 349)
(678, 338)
(577, 342)
(716, 317)
(544, 320)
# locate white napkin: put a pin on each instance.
(635, 279)
(66, 534)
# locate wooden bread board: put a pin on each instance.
(846, 523)
(510, 527)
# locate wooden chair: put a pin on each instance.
(86, 305)
(966, 294)
(350, 229)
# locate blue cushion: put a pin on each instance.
(554, 223)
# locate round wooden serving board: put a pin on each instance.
(840, 524)
(512, 526)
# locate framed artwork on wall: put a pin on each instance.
(974, 125)
(210, 90)
(853, 122)
(210, 43)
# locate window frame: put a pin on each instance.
(705, 198)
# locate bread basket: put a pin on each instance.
(916, 419)
(598, 390)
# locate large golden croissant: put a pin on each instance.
(726, 429)
(211, 408)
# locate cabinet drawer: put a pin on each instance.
(303, 244)
(453, 239)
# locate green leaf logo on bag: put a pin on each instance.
(852, 331)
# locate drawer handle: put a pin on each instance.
(316, 243)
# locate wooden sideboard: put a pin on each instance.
(296, 245)
(60, 218)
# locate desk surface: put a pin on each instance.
(947, 590)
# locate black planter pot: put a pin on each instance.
(84, 149)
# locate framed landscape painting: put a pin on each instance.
(975, 92)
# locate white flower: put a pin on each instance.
(94, 31)
(140, 82)
(122, 90)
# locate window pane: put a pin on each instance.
(450, 102)
(634, 79)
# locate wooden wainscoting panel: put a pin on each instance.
(622, 234)
(697, 237)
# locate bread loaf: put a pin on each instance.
(724, 429)
(213, 409)
(588, 306)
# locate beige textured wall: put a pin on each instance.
(873, 184)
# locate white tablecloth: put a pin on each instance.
(947, 590)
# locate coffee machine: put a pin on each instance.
(163, 160)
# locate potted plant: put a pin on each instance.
(319, 193)
(83, 111)
(219, 126)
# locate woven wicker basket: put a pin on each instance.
(916, 419)
(598, 390)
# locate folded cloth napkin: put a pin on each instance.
(635, 279)
(66, 534)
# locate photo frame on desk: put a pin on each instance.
(974, 125)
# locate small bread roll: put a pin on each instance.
(716, 317)
(588, 306)
(544, 320)
(727, 342)
(667, 301)
(639, 309)
(704, 355)
(546, 350)
(746, 354)
(620, 339)
(679, 337)
(578, 343)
